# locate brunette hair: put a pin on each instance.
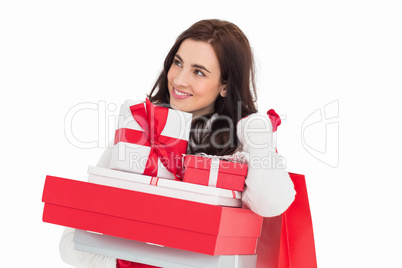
(236, 62)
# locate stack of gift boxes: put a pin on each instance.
(155, 205)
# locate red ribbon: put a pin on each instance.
(154, 181)
(152, 119)
(275, 119)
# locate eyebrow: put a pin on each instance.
(193, 65)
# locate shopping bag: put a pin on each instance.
(287, 241)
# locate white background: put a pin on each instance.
(55, 55)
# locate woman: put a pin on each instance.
(209, 72)
(228, 88)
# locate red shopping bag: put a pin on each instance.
(287, 241)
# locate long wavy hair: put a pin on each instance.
(236, 61)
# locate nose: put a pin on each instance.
(181, 79)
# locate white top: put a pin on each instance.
(80, 259)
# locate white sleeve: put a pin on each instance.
(80, 259)
(269, 190)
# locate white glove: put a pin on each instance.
(269, 190)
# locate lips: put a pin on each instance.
(178, 94)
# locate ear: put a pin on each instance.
(223, 91)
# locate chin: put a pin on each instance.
(176, 106)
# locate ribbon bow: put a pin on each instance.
(152, 119)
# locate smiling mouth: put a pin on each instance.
(180, 93)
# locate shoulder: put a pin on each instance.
(255, 122)
(269, 121)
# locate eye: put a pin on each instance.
(177, 62)
(199, 73)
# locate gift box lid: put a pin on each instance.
(159, 256)
(201, 162)
(164, 183)
(150, 208)
(164, 187)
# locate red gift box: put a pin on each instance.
(214, 172)
(161, 220)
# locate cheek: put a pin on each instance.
(209, 90)
(170, 75)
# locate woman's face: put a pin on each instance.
(194, 78)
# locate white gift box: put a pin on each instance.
(164, 187)
(132, 157)
(159, 256)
